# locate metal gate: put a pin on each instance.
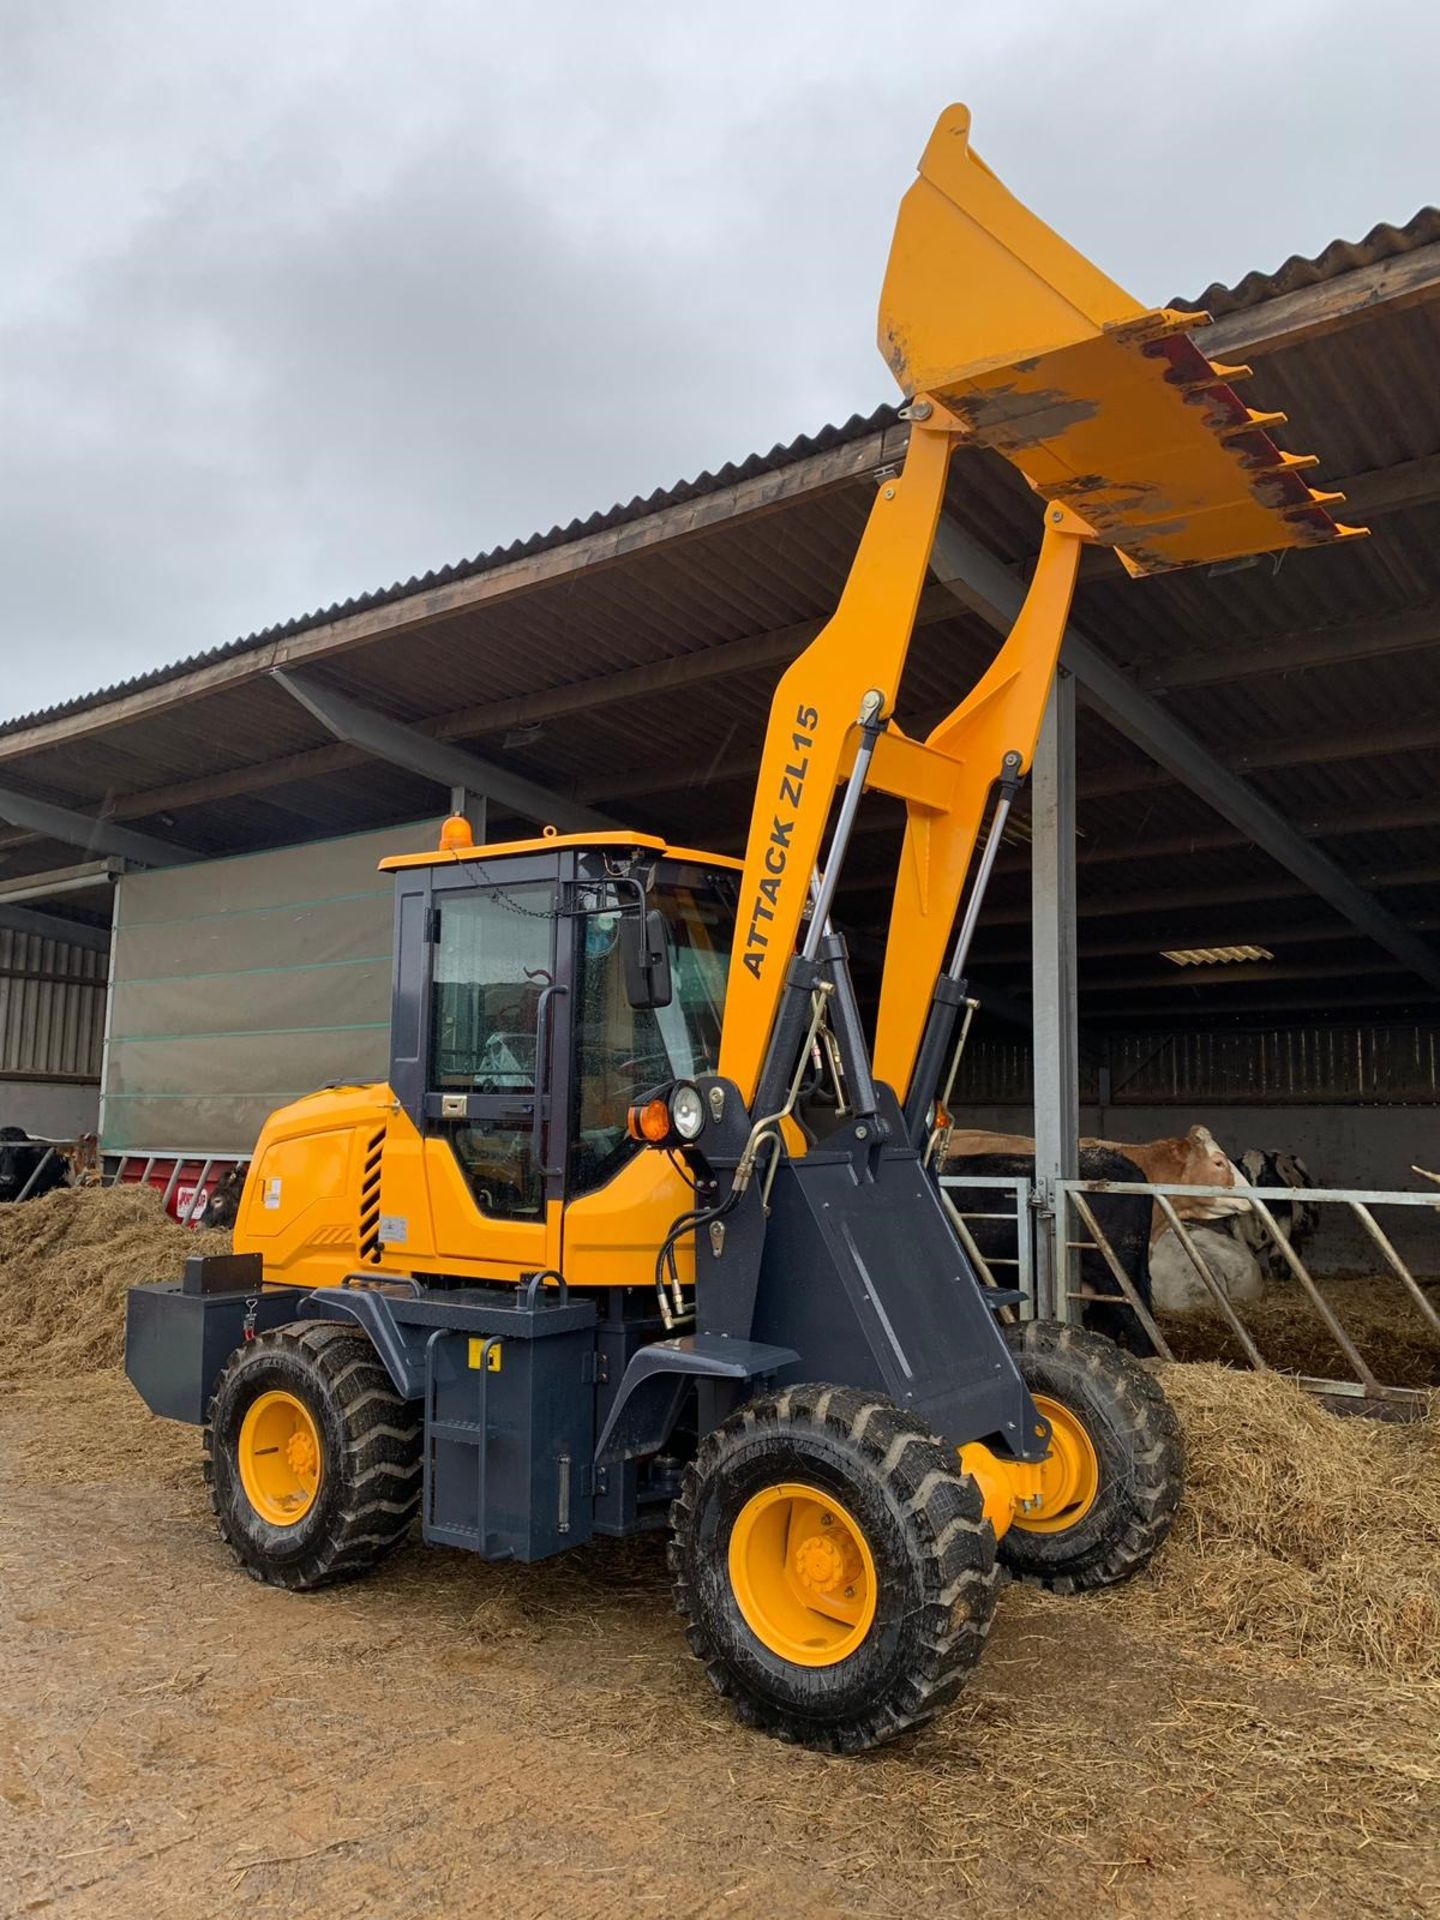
(1077, 1229)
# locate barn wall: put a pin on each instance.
(50, 1109)
(242, 983)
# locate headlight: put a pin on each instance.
(668, 1117)
(687, 1111)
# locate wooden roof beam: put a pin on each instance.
(986, 586)
(1316, 750)
(1337, 824)
(1412, 630)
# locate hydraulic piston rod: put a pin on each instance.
(950, 989)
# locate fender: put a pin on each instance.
(648, 1403)
(401, 1348)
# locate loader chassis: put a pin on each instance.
(641, 1229)
(851, 1273)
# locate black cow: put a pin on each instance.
(1124, 1219)
(1297, 1219)
(224, 1201)
(20, 1156)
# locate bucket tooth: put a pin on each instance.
(1218, 375)
(1288, 462)
(1252, 423)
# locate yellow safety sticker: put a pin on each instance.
(491, 1360)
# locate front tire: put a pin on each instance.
(312, 1458)
(1118, 1461)
(834, 1567)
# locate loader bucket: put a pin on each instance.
(1102, 404)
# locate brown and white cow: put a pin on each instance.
(1193, 1159)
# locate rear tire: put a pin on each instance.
(924, 1593)
(1136, 1458)
(325, 1393)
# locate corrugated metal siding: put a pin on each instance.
(1392, 1066)
(52, 1008)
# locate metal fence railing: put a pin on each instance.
(184, 1180)
(1076, 1213)
(1011, 1210)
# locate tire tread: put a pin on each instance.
(1154, 1463)
(943, 1506)
(380, 1463)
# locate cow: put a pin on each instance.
(23, 1160)
(224, 1201)
(1297, 1219)
(1193, 1159)
(1124, 1219)
(1178, 1288)
(1239, 1251)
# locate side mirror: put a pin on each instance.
(645, 954)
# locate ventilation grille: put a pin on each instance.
(370, 1248)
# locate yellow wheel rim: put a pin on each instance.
(803, 1575)
(280, 1458)
(1069, 1475)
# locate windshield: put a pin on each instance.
(621, 1051)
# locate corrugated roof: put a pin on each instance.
(1341, 256)
(801, 448)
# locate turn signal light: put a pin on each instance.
(673, 1117)
(651, 1122)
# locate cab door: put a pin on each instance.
(489, 1093)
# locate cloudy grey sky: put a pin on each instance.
(297, 299)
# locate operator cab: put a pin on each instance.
(540, 988)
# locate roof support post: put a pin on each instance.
(1055, 990)
(988, 587)
(96, 836)
(470, 806)
(437, 760)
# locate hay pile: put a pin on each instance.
(1378, 1314)
(65, 1264)
(1303, 1534)
(1306, 1534)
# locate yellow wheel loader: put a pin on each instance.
(641, 1232)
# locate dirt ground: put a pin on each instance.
(451, 1738)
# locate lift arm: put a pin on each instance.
(991, 735)
(812, 738)
(1002, 335)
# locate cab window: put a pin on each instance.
(621, 1051)
(494, 957)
